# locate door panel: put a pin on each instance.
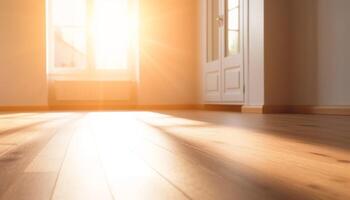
(213, 80)
(213, 85)
(223, 69)
(232, 79)
(232, 60)
(212, 68)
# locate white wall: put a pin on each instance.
(255, 75)
(22, 53)
(321, 59)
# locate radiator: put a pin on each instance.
(92, 90)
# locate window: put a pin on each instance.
(232, 30)
(90, 36)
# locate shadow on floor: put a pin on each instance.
(247, 182)
(332, 131)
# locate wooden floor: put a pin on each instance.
(173, 155)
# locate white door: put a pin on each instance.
(212, 68)
(232, 82)
(223, 69)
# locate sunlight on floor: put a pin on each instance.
(163, 155)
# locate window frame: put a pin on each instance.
(90, 71)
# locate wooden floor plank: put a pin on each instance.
(51, 157)
(4, 148)
(128, 175)
(82, 175)
(187, 169)
(36, 186)
(28, 142)
(173, 155)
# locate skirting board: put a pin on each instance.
(24, 108)
(253, 109)
(95, 107)
(264, 109)
(269, 109)
(168, 107)
(322, 110)
(121, 106)
(116, 107)
(229, 108)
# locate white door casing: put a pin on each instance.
(223, 77)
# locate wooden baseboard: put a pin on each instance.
(91, 107)
(267, 109)
(303, 109)
(95, 107)
(107, 107)
(253, 109)
(322, 110)
(230, 108)
(24, 108)
(168, 107)
(118, 106)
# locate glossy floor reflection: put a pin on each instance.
(173, 155)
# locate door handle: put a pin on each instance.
(220, 20)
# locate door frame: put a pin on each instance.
(203, 54)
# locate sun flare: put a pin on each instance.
(96, 33)
(110, 33)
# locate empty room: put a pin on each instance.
(174, 100)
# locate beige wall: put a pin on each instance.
(304, 41)
(301, 55)
(22, 53)
(169, 52)
(321, 52)
(277, 52)
(306, 52)
(168, 60)
(321, 59)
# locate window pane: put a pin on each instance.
(233, 19)
(212, 30)
(232, 28)
(110, 34)
(69, 12)
(90, 30)
(233, 43)
(232, 4)
(70, 47)
(69, 24)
